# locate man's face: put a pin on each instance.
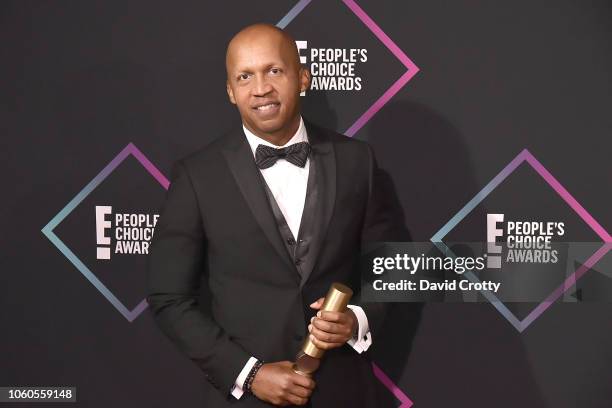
(264, 80)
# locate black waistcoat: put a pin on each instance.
(310, 223)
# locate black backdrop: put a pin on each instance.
(83, 80)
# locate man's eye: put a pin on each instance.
(243, 76)
(275, 70)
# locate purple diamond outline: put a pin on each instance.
(526, 157)
(48, 230)
(412, 68)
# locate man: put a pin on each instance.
(265, 219)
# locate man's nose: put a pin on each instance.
(261, 86)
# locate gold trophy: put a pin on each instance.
(309, 357)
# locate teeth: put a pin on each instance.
(266, 107)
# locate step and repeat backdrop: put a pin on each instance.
(492, 119)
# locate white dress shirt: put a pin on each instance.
(288, 184)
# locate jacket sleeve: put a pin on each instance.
(384, 222)
(176, 267)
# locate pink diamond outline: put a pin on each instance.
(526, 157)
(412, 69)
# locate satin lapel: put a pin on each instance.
(323, 148)
(242, 165)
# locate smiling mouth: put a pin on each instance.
(266, 107)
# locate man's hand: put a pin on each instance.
(278, 384)
(329, 330)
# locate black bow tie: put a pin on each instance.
(297, 153)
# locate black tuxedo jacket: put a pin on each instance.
(217, 235)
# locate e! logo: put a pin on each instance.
(101, 226)
(492, 247)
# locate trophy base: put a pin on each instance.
(305, 364)
(297, 371)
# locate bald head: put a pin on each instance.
(258, 34)
(264, 81)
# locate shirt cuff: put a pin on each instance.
(237, 390)
(363, 339)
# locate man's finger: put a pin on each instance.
(323, 344)
(335, 328)
(337, 317)
(295, 400)
(328, 337)
(303, 381)
(300, 391)
(317, 303)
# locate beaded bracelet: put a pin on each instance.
(249, 380)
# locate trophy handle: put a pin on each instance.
(308, 358)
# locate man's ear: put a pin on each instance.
(304, 79)
(230, 93)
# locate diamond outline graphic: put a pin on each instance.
(128, 150)
(526, 157)
(412, 70)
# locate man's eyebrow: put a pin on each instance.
(265, 67)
